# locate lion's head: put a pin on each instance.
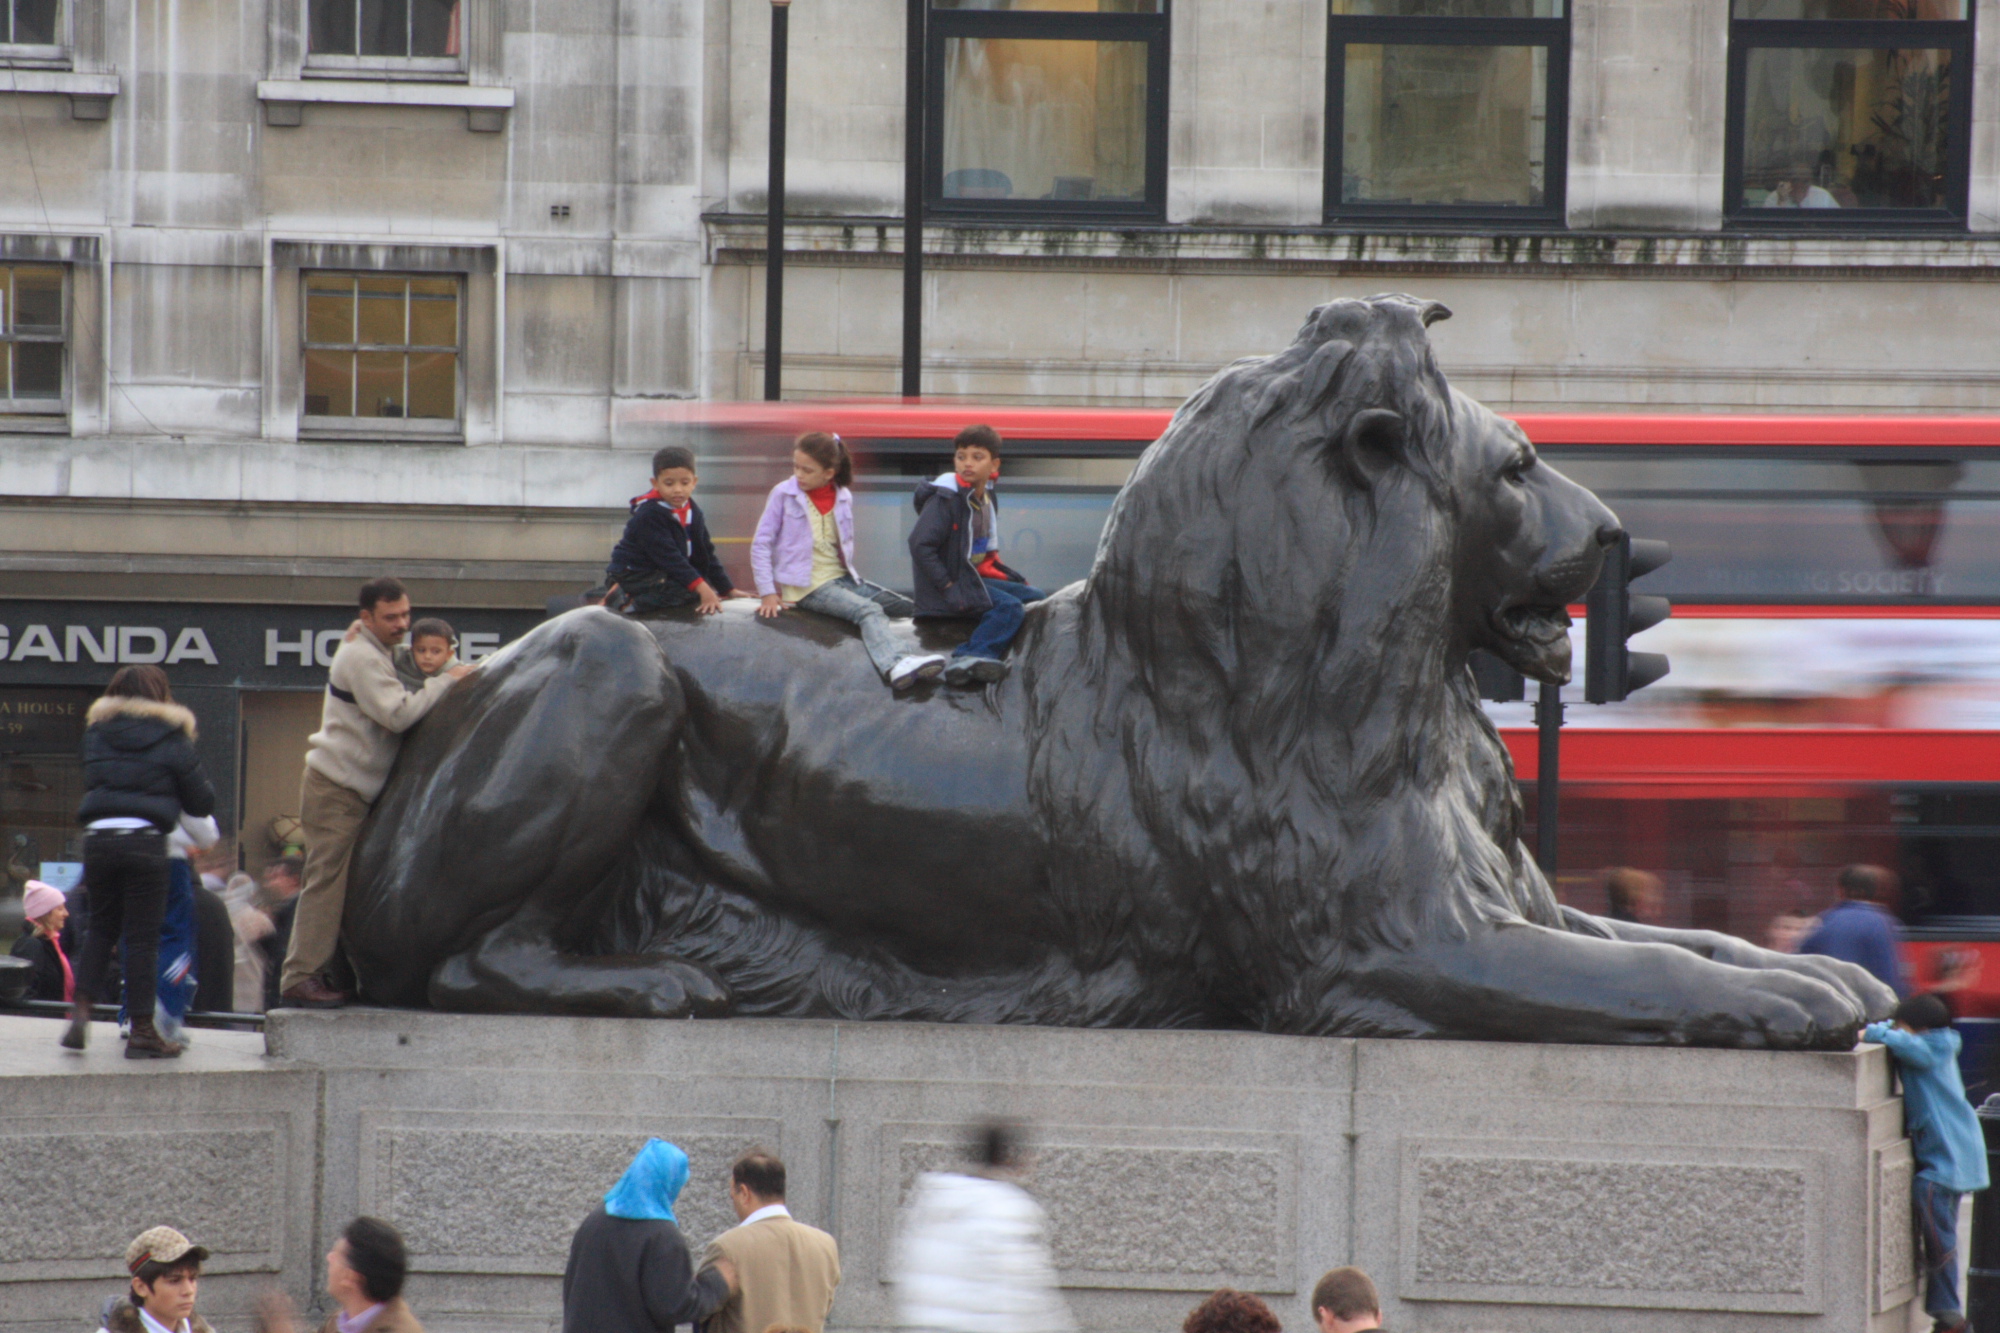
(1345, 478)
(1531, 542)
(1274, 638)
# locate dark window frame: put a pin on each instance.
(32, 54)
(1344, 30)
(11, 405)
(1955, 35)
(336, 423)
(341, 64)
(1048, 25)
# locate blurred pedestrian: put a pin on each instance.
(166, 1275)
(364, 1276)
(280, 904)
(249, 923)
(214, 951)
(1858, 929)
(1231, 1311)
(971, 1254)
(629, 1268)
(41, 944)
(1787, 931)
(786, 1271)
(180, 944)
(365, 1271)
(1944, 1137)
(141, 774)
(1345, 1301)
(1635, 896)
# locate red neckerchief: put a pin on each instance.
(683, 513)
(822, 498)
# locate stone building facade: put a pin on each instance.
(293, 291)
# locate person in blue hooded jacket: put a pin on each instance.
(1944, 1136)
(629, 1269)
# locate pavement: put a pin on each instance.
(28, 1049)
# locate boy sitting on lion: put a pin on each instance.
(955, 559)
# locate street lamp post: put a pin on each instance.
(774, 207)
(913, 200)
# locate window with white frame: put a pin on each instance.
(33, 30)
(34, 337)
(381, 348)
(418, 37)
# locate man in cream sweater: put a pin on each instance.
(786, 1271)
(366, 711)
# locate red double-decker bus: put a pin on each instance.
(1835, 693)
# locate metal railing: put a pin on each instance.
(198, 1018)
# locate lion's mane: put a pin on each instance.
(1251, 706)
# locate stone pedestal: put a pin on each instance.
(221, 1143)
(1484, 1186)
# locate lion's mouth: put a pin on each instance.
(1533, 638)
(1531, 624)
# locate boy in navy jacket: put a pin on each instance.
(666, 557)
(955, 559)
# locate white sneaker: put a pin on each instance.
(909, 670)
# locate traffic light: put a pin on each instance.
(1614, 613)
(1496, 680)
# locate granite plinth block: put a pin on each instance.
(221, 1145)
(1488, 1188)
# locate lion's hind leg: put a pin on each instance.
(518, 967)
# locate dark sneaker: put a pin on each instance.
(77, 1035)
(989, 670)
(960, 671)
(312, 993)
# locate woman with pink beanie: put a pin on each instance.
(46, 910)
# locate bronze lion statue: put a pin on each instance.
(1238, 778)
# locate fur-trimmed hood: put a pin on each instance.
(124, 1317)
(113, 706)
(139, 762)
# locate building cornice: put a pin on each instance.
(735, 238)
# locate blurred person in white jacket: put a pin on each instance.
(971, 1253)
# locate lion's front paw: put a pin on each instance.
(672, 988)
(1784, 1010)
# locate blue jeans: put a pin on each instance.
(997, 628)
(1937, 1227)
(866, 605)
(174, 986)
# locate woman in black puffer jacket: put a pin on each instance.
(141, 773)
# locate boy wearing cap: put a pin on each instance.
(166, 1269)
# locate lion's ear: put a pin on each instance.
(1371, 445)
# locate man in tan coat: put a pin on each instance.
(786, 1271)
(362, 722)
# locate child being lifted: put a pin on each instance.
(955, 557)
(803, 556)
(666, 557)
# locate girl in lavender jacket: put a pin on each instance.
(803, 556)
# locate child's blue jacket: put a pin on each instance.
(1943, 1128)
